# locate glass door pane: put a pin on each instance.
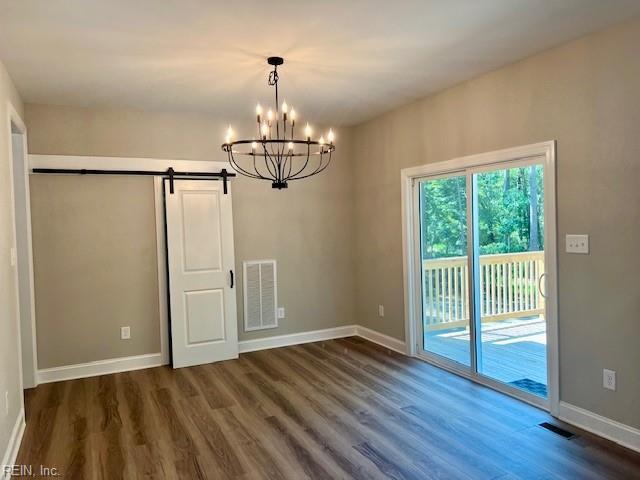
(444, 272)
(509, 230)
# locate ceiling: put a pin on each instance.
(346, 61)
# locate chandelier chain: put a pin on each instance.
(273, 76)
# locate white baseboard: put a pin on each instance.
(100, 367)
(246, 346)
(381, 339)
(115, 365)
(11, 453)
(602, 426)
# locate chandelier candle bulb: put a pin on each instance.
(276, 154)
(229, 136)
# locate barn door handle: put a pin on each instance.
(231, 275)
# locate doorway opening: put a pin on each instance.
(22, 256)
(479, 251)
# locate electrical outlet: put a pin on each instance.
(577, 243)
(6, 403)
(381, 310)
(609, 379)
(125, 333)
(14, 257)
(280, 312)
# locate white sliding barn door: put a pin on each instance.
(204, 325)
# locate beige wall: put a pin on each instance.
(307, 228)
(95, 267)
(586, 95)
(9, 336)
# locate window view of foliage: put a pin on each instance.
(443, 213)
(510, 213)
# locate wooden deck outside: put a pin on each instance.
(511, 305)
(512, 349)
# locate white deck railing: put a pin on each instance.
(508, 288)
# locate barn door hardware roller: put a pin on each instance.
(169, 174)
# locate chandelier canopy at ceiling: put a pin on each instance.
(275, 154)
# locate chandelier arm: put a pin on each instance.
(244, 172)
(237, 167)
(317, 169)
(275, 160)
(276, 151)
(290, 161)
(267, 159)
(286, 163)
(255, 167)
(269, 175)
(270, 147)
(282, 162)
(247, 173)
(305, 163)
(315, 172)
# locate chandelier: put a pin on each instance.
(275, 154)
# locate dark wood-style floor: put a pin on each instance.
(338, 409)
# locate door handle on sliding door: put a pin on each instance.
(231, 276)
(540, 285)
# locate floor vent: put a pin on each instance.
(557, 430)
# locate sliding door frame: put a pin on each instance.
(541, 153)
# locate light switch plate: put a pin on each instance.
(14, 257)
(577, 244)
(280, 312)
(381, 310)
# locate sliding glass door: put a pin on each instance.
(445, 274)
(481, 244)
(510, 241)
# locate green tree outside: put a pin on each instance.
(510, 213)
